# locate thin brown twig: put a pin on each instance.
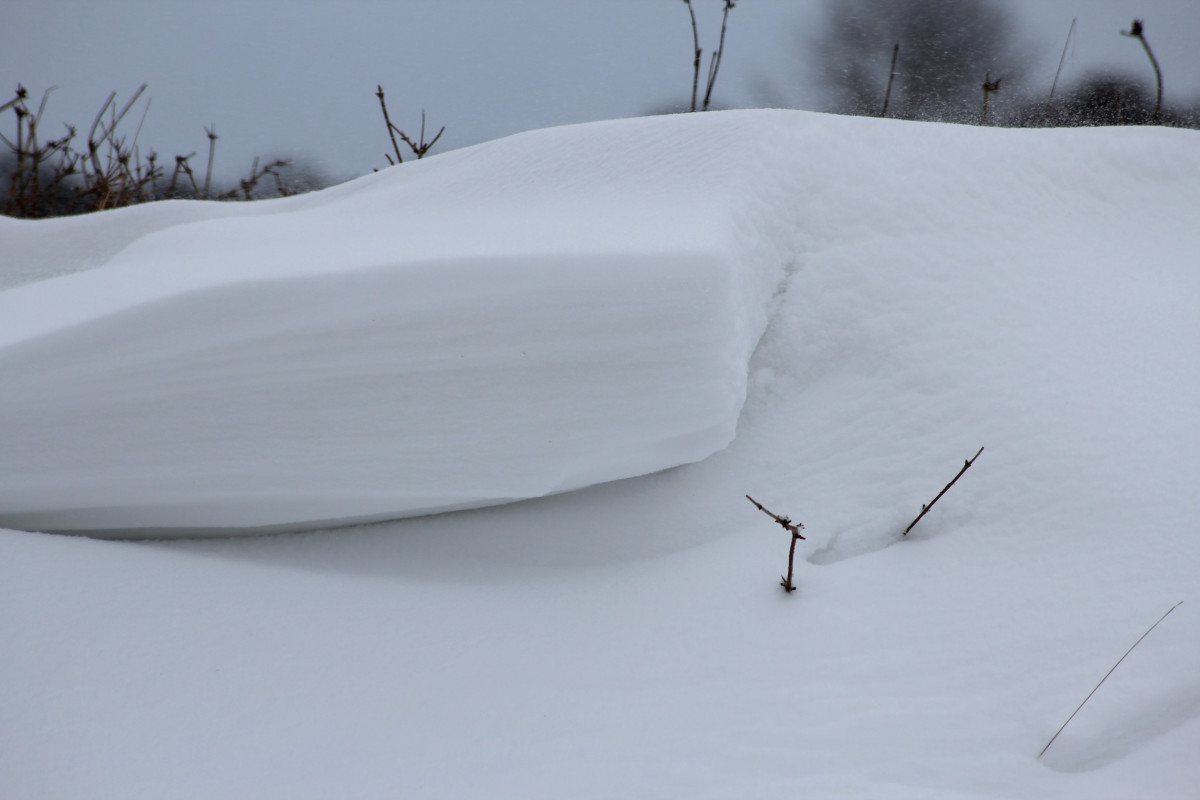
(925, 509)
(390, 126)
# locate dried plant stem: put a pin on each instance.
(699, 52)
(1062, 58)
(211, 133)
(53, 178)
(887, 96)
(1102, 680)
(1138, 31)
(989, 87)
(794, 529)
(925, 509)
(419, 148)
(714, 63)
(391, 128)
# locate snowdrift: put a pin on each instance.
(499, 323)
(921, 290)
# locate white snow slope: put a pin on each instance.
(920, 290)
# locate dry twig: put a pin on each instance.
(989, 87)
(925, 509)
(887, 96)
(794, 529)
(419, 147)
(714, 61)
(1138, 31)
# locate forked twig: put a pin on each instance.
(714, 60)
(1102, 680)
(925, 509)
(388, 121)
(794, 529)
(419, 148)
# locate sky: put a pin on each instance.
(297, 79)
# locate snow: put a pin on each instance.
(921, 290)
(494, 325)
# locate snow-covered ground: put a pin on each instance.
(838, 310)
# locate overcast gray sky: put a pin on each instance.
(298, 77)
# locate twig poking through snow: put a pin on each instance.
(925, 509)
(794, 529)
(1102, 680)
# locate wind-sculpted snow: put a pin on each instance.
(573, 304)
(499, 323)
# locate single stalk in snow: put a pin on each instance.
(794, 529)
(699, 52)
(989, 86)
(887, 96)
(391, 129)
(925, 509)
(1137, 31)
(1102, 680)
(1062, 58)
(211, 133)
(714, 63)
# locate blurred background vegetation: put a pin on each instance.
(955, 61)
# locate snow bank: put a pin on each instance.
(498, 323)
(945, 288)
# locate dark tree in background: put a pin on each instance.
(947, 48)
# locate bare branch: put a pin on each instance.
(388, 121)
(925, 509)
(794, 529)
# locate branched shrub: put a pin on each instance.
(57, 177)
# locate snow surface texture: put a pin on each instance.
(505, 322)
(924, 289)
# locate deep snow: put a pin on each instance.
(925, 289)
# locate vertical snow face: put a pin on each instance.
(525, 317)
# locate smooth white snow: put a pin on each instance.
(938, 288)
